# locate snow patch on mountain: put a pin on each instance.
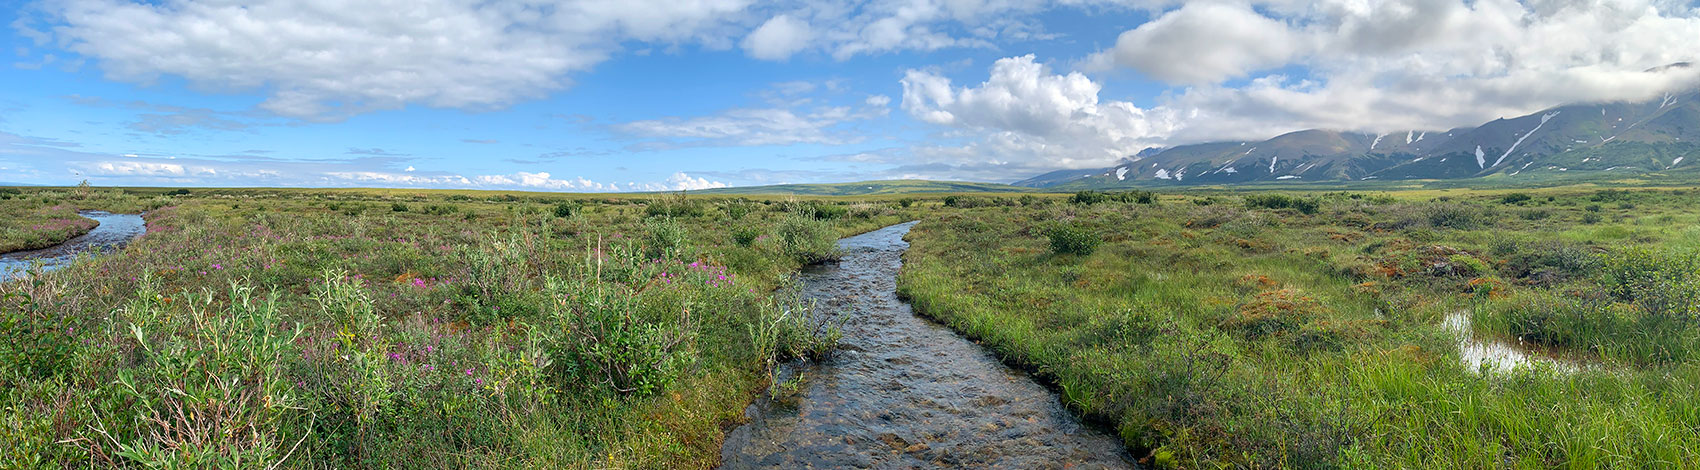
(1121, 174)
(1480, 162)
(1163, 174)
(1544, 118)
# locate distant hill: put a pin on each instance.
(865, 188)
(1658, 138)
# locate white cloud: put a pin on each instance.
(136, 169)
(1205, 43)
(682, 182)
(321, 60)
(1373, 66)
(788, 124)
(1027, 113)
(543, 180)
(1381, 66)
(778, 38)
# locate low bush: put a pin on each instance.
(1282, 201)
(806, 239)
(1072, 240)
(1515, 198)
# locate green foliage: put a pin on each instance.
(398, 207)
(1282, 201)
(601, 338)
(675, 205)
(1515, 198)
(666, 239)
(567, 209)
(1070, 239)
(1095, 197)
(1662, 283)
(33, 345)
(1454, 216)
(736, 210)
(787, 329)
(745, 235)
(806, 240)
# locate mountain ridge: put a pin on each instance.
(1660, 135)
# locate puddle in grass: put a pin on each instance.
(903, 392)
(1498, 356)
(114, 231)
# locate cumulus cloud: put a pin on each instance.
(1029, 113)
(1398, 65)
(778, 38)
(319, 61)
(682, 182)
(1377, 66)
(322, 61)
(1205, 43)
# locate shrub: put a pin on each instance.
(1663, 283)
(1095, 197)
(398, 207)
(745, 236)
(1282, 201)
(1072, 240)
(676, 205)
(443, 209)
(736, 210)
(665, 239)
(567, 209)
(906, 202)
(1453, 216)
(599, 337)
(1514, 198)
(786, 328)
(806, 239)
(1591, 218)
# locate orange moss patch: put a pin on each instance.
(1255, 281)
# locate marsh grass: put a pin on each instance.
(305, 329)
(1253, 336)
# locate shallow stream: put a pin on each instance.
(903, 392)
(114, 231)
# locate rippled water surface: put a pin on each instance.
(114, 232)
(906, 393)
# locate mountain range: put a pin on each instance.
(1600, 139)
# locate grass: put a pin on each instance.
(39, 218)
(312, 329)
(431, 329)
(1215, 334)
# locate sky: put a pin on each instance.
(654, 95)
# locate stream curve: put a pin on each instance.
(114, 231)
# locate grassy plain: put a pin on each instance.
(398, 329)
(1208, 328)
(1307, 330)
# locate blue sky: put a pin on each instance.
(630, 95)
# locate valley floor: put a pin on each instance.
(452, 329)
